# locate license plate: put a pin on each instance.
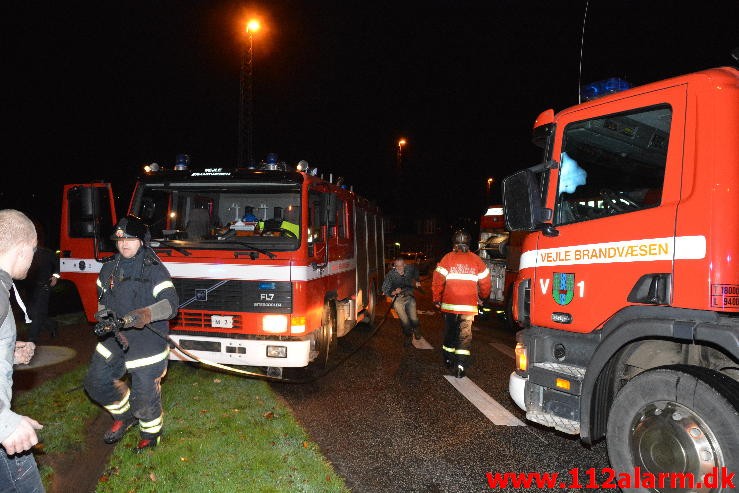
(222, 321)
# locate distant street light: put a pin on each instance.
(401, 143)
(246, 106)
(487, 190)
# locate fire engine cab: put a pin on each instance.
(628, 288)
(271, 264)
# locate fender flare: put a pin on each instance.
(638, 323)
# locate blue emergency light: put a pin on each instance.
(603, 88)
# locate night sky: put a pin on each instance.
(94, 90)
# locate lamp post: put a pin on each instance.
(246, 106)
(401, 143)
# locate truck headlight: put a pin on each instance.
(274, 324)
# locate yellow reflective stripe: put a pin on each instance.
(483, 274)
(104, 352)
(151, 426)
(149, 360)
(99, 284)
(459, 308)
(441, 270)
(447, 349)
(465, 352)
(462, 277)
(122, 406)
(161, 287)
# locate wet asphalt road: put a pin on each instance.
(390, 422)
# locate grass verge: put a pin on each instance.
(221, 433)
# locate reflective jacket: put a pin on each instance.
(128, 284)
(459, 280)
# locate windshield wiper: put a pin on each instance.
(244, 244)
(161, 243)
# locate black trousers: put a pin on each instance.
(105, 385)
(458, 338)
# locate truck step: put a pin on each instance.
(571, 371)
(561, 424)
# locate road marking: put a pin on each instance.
(507, 350)
(422, 344)
(482, 401)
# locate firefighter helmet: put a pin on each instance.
(461, 240)
(131, 227)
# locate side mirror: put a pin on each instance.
(522, 202)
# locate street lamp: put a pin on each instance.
(246, 109)
(487, 194)
(401, 143)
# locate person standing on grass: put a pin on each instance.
(18, 469)
(135, 286)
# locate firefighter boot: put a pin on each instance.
(119, 428)
(460, 371)
(147, 441)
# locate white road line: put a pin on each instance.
(422, 344)
(507, 350)
(482, 401)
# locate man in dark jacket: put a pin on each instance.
(399, 284)
(135, 287)
(42, 276)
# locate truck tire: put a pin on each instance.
(677, 418)
(369, 316)
(326, 342)
(509, 322)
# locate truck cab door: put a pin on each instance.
(614, 198)
(87, 220)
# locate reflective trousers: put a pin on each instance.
(19, 473)
(458, 338)
(104, 384)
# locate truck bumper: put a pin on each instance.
(517, 389)
(241, 351)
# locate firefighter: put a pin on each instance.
(399, 284)
(461, 279)
(135, 287)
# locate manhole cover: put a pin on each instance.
(48, 355)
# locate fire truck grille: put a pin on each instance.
(234, 296)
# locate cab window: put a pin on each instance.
(613, 165)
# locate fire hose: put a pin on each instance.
(113, 324)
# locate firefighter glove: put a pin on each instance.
(137, 318)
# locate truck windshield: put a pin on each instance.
(214, 216)
(613, 164)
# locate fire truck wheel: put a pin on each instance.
(371, 304)
(675, 418)
(326, 342)
(509, 322)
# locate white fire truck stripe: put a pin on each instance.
(646, 250)
(482, 401)
(242, 272)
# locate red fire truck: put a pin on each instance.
(500, 250)
(271, 264)
(628, 289)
